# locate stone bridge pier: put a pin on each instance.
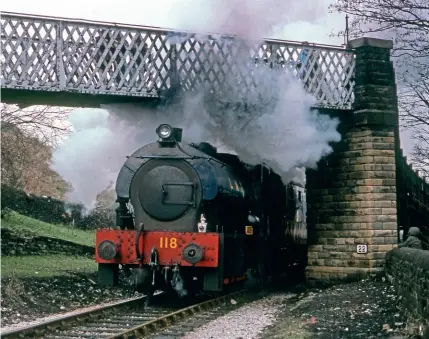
(352, 197)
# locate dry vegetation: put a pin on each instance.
(407, 21)
(28, 138)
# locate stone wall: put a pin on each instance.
(352, 202)
(54, 211)
(352, 197)
(408, 270)
(22, 245)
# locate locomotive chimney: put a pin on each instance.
(177, 134)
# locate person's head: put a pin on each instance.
(414, 231)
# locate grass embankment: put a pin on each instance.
(45, 265)
(20, 224)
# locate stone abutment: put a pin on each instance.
(352, 199)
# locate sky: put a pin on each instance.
(301, 21)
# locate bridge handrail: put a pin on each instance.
(57, 54)
(165, 30)
(415, 186)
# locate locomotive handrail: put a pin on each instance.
(171, 157)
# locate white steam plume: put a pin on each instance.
(91, 157)
(270, 123)
(254, 19)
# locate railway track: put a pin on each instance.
(129, 319)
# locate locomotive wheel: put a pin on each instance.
(262, 264)
(262, 270)
(149, 295)
(253, 280)
(142, 278)
(142, 281)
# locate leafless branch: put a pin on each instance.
(46, 123)
(27, 140)
(407, 23)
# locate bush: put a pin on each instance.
(42, 208)
(54, 211)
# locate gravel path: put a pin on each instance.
(364, 309)
(247, 322)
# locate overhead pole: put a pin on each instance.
(347, 30)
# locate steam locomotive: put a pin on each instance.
(191, 220)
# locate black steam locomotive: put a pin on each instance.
(191, 219)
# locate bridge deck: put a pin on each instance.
(66, 55)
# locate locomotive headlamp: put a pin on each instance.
(168, 136)
(164, 131)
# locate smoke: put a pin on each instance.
(92, 156)
(275, 126)
(251, 19)
(265, 116)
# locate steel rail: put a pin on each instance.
(168, 319)
(102, 322)
(60, 322)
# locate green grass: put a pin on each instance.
(20, 224)
(46, 266)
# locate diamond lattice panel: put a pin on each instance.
(63, 55)
(234, 68)
(29, 54)
(115, 61)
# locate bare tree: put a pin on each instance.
(28, 138)
(414, 108)
(46, 123)
(407, 22)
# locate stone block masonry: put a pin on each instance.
(352, 198)
(408, 271)
(352, 201)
